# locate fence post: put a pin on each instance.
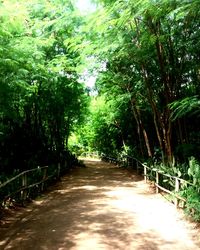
(137, 167)
(24, 185)
(145, 174)
(157, 182)
(177, 186)
(43, 178)
(58, 173)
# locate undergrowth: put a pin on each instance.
(189, 172)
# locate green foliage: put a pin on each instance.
(190, 192)
(145, 55)
(188, 171)
(145, 52)
(192, 195)
(188, 105)
(41, 97)
(194, 172)
(180, 171)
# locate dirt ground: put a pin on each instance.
(99, 207)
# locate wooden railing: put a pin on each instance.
(178, 183)
(156, 179)
(29, 183)
(21, 185)
(90, 155)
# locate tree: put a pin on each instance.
(149, 48)
(42, 97)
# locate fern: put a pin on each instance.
(188, 105)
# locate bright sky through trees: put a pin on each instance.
(85, 6)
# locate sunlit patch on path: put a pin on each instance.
(99, 207)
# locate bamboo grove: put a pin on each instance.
(41, 96)
(145, 57)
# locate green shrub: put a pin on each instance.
(192, 193)
(192, 208)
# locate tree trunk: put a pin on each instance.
(140, 125)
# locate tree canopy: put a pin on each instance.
(145, 57)
(41, 96)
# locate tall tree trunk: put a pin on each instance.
(140, 125)
(117, 124)
(138, 130)
(164, 122)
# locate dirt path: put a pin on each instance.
(99, 207)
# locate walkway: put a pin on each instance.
(99, 207)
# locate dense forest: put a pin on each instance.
(41, 96)
(145, 57)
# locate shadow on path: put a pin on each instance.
(98, 207)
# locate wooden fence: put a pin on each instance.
(28, 183)
(90, 155)
(21, 185)
(156, 178)
(159, 176)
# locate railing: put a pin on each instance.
(90, 155)
(157, 178)
(29, 183)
